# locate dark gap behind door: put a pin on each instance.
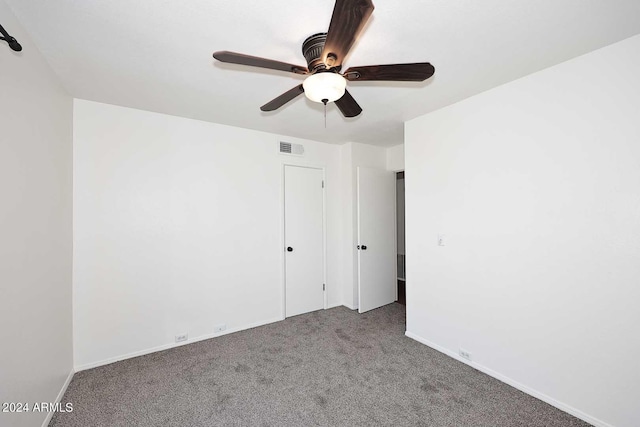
(402, 296)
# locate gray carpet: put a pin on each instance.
(328, 368)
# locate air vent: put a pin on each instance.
(285, 147)
(291, 149)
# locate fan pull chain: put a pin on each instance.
(324, 101)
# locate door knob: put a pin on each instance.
(289, 249)
(364, 247)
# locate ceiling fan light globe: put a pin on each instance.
(324, 86)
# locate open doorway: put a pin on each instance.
(402, 295)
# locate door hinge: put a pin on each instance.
(323, 286)
(323, 183)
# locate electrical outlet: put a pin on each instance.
(219, 328)
(182, 337)
(465, 354)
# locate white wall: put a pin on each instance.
(395, 158)
(35, 228)
(395, 162)
(536, 185)
(178, 228)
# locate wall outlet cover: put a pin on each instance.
(465, 354)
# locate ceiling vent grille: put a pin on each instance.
(291, 149)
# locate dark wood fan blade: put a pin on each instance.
(348, 19)
(348, 106)
(416, 72)
(254, 61)
(283, 99)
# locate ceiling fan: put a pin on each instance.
(325, 53)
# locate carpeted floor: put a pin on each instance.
(328, 368)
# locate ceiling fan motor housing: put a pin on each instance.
(312, 51)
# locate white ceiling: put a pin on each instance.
(156, 54)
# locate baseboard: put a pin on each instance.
(523, 388)
(63, 390)
(171, 345)
(350, 307)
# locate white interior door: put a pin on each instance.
(377, 283)
(303, 237)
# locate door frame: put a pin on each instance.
(396, 172)
(283, 271)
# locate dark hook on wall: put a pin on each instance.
(13, 43)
